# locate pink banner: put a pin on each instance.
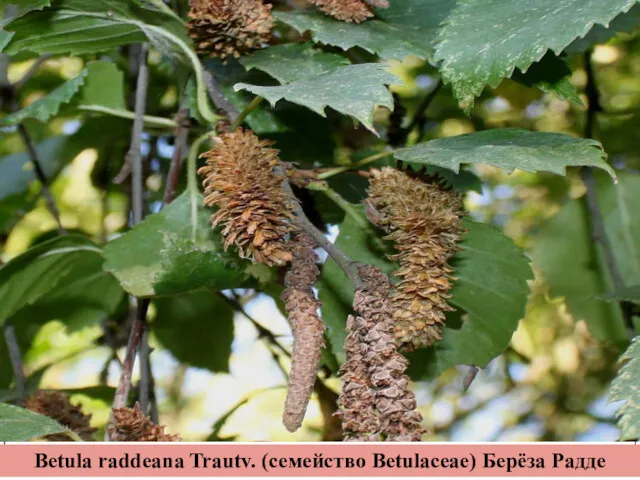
(326, 460)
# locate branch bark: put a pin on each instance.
(177, 159)
(134, 159)
(16, 360)
(42, 177)
(346, 264)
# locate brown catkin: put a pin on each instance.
(229, 28)
(425, 223)
(131, 425)
(307, 326)
(56, 405)
(356, 11)
(376, 401)
(253, 209)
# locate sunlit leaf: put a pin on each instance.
(20, 425)
(483, 41)
(509, 149)
(159, 257)
(353, 90)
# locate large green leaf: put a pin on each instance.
(385, 39)
(40, 270)
(483, 41)
(49, 105)
(88, 26)
(353, 90)
(20, 425)
(293, 61)
(626, 388)
(572, 265)
(197, 328)
(159, 257)
(407, 27)
(509, 149)
(491, 287)
(104, 86)
(15, 9)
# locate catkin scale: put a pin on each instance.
(355, 11)
(229, 28)
(424, 221)
(254, 212)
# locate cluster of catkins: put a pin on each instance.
(256, 215)
(244, 181)
(230, 28)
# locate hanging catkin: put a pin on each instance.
(131, 425)
(254, 211)
(425, 224)
(229, 28)
(56, 405)
(356, 11)
(376, 402)
(307, 326)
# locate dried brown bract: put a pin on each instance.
(376, 401)
(56, 405)
(356, 11)
(229, 28)
(131, 425)
(425, 224)
(253, 209)
(308, 329)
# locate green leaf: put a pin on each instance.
(573, 268)
(509, 149)
(103, 86)
(20, 7)
(293, 61)
(551, 75)
(158, 256)
(625, 388)
(49, 105)
(627, 294)
(353, 90)
(28, 277)
(78, 27)
(197, 328)
(483, 41)
(20, 425)
(375, 36)
(490, 287)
